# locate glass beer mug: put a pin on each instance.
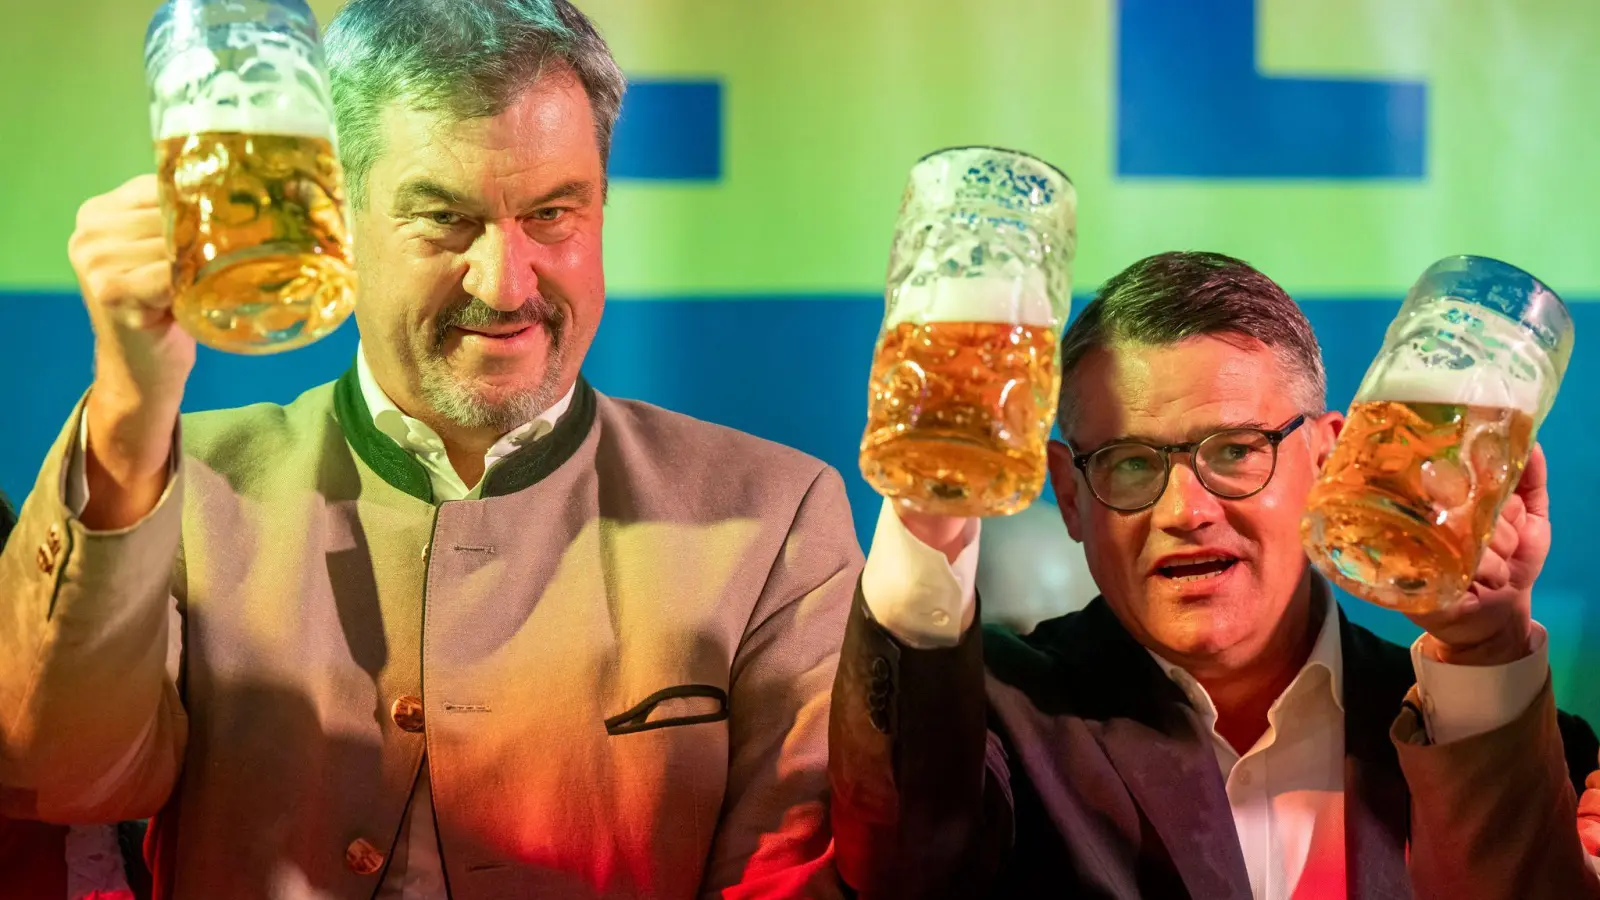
(1438, 434)
(250, 184)
(965, 378)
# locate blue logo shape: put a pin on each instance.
(1190, 104)
(669, 131)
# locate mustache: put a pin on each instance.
(474, 313)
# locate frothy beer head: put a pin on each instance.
(1022, 300)
(1459, 354)
(272, 94)
(1485, 389)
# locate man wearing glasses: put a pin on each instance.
(1212, 726)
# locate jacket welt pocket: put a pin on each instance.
(684, 704)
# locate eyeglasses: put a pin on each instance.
(1233, 464)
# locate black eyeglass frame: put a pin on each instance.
(1273, 436)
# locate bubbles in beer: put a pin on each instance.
(261, 251)
(1411, 493)
(960, 405)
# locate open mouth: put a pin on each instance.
(1197, 569)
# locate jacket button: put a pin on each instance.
(879, 719)
(407, 713)
(45, 560)
(362, 857)
(880, 668)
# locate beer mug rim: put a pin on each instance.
(996, 149)
(1451, 264)
(305, 19)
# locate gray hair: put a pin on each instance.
(466, 58)
(1163, 299)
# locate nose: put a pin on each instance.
(1185, 505)
(500, 267)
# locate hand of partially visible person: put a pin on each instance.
(1493, 623)
(1589, 815)
(142, 357)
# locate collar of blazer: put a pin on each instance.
(401, 470)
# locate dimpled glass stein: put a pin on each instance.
(965, 379)
(250, 181)
(1438, 435)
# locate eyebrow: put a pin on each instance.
(418, 190)
(421, 190)
(580, 191)
(1195, 434)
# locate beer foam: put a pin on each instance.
(1464, 388)
(1459, 353)
(289, 104)
(989, 298)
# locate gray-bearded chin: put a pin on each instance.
(467, 404)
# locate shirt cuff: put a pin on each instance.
(1459, 702)
(77, 470)
(913, 591)
(77, 486)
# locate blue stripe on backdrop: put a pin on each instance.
(794, 369)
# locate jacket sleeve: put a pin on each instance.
(91, 725)
(921, 803)
(773, 838)
(1494, 815)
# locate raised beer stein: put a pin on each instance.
(966, 375)
(1438, 434)
(250, 182)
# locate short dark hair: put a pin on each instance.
(1166, 298)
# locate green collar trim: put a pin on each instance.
(401, 470)
(531, 464)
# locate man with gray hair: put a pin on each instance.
(1211, 726)
(456, 624)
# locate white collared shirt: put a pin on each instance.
(417, 438)
(417, 872)
(1287, 792)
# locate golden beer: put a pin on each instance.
(1410, 496)
(959, 414)
(260, 245)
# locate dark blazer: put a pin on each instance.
(1074, 767)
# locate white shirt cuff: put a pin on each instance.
(1459, 702)
(913, 591)
(77, 486)
(78, 471)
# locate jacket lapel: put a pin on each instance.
(1152, 736)
(1376, 800)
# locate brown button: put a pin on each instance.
(407, 713)
(362, 857)
(46, 560)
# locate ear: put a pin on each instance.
(1324, 433)
(1066, 484)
